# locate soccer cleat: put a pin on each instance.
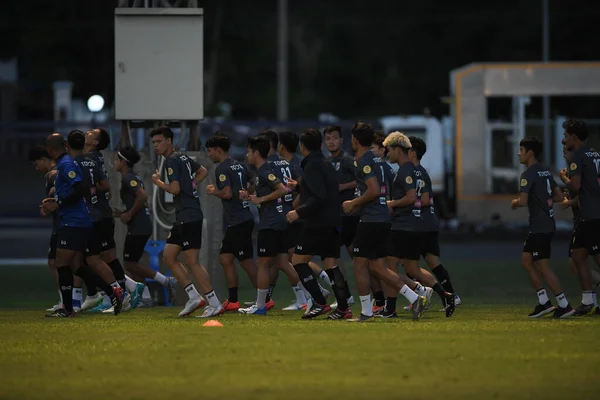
(100, 308)
(253, 309)
(136, 295)
(270, 304)
(565, 312)
(61, 313)
(542, 309)
(388, 314)
(295, 307)
(316, 310)
(309, 304)
(584, 309)
(109, 310)
(418, 307)
(191, 306)
(76, 305)
(249, 303)
(171, 288)
(362, 318)
(126, 300)
(337, 314)
(230, 306)
(116, 300)
(91, 302)
(211, 312)
(449, 305)
(55, 307)
(377, 309)
(457, 301)
(428, 295)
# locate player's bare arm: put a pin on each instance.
(201, 174)
(171, 187)
(372, 193)
(138, 205)
(409, 199)
(521, 201)
(279, 191)
(224, 193)
(346, 186)
(573, 183)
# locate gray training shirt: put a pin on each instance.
(431, 222)
(370, 166)
(345, 167)
(539, 184)
(586, 164)
(284, 171)
(235, 175)
(103, 204)
(140, 223)
(91, 175)
(181, 168)
(271, 213)
(409, 217)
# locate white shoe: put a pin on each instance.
(211, 312)
(126, 301)
(294, 307)
(191, 306)
(91, 302)
(457, 303)
(110, 310)
(309, 304)
(55, 307)
(428, 295)
(350, 301)
(253, 310)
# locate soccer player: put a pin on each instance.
(44, 164)
(186, 235)
(75, 228)
(369, 246)
(139, 225)
(537, 192)
(319, 209)
(345, 168)
(584, 180)
(430, 227)
(406, 240)
(231, 178)
(269, 193)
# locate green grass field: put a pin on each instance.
(488, 350)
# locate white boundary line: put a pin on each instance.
(23, 262)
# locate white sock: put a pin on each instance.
(594, 297)
(323, 275)
(409, 294)
(130, 284)
(213, 300)
(192, 292)
(542, 296)
(365, 303)
(160, 278)
(586, 298)
(300, 297)
(261, 297)
(77, 294)
(60, 296)
(420, 290)
(306, 294)
(146, 294)
(561, 300)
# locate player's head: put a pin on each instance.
(377, 146)
(567, 155)
(258, 149)
(398, 145)
(41, 160)
(162, 140)
(217, 147)
(310, 141)
(55, 145)
(97, 139)
(288, 142)
(530, 148)
(575, 133)
(418, 150)
(333, 138)
(362, 135)
(76, 140)
(273, 138)
(127, 157)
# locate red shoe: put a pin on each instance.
(378, 309)
(229, 306)
(270, 304)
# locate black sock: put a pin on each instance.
(338, 287)
(93, 277)
(233, 295)
(270, 293)
(118, 272)
(390, 304)
(87, 275)
(443, 277)
(439, 289)
(379, 298)
(66, 282)
(309, 280)
(347, 288)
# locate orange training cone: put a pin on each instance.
(212, 322)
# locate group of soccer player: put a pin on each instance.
(538, 192)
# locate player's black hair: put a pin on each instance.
(130, 155)
(164, 131)
(331, 129)
(312, 140)
(220, 141)
(37, 153)
(576, 127)
(419, 146)
(76, 139)
(378, 138)
(289, 140)
(103, 138)
(363, 133)
(261, 144)
(272, 136)
(55, 141)
(534, 144)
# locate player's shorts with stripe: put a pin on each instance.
(102, 237)
(238, 241)
(323, 242)
(73, 238)
(292, 234)
(370, 240)
(271, 243)
(187, 235)
(539, 245)
(133, 249)
(587, 236)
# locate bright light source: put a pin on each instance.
(95, 103)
